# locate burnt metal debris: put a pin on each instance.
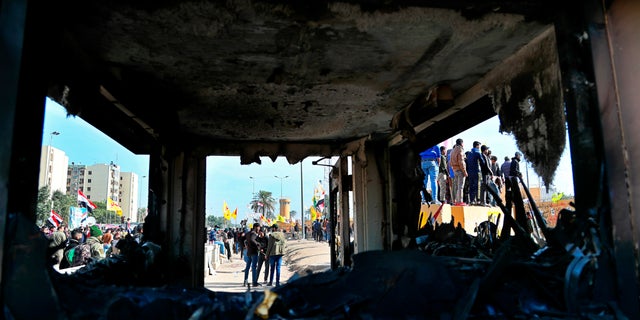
(445, 273)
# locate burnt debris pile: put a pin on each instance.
(520, 270)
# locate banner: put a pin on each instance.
(77, 217)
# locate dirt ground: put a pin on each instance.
(301, 257)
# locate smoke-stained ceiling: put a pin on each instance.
(280, 77)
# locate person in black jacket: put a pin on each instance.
(253, 247)
(263, 240)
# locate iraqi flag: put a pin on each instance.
(320, 205)
(55, 219)
(85, 202)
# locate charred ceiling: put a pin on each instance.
(276, 77)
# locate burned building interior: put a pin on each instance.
(373, 81)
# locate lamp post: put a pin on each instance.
(54, 133)
(253, 186)
(281, 178)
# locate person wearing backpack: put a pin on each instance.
(275, 251)
(95, 243)
(76, 253)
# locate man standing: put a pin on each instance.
(459, 171)
(275, 251)
(430, 164)
(95, 242)
(505, 168)
(515, 165)
(473, 169)
(442, 176)
(496, 174)
(57, 244)
(253, 247)
(485, 196)
(514, 172)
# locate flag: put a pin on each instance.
(235, 214)
(226, 213)
(262, 218)
(320, 205)
(320, 190)
(55, 218)
(260, 204)
(280, 218)
(82, 199)
(557, 197)
(268, 222)
(314, 213)
(113, 206)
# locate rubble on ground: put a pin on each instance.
(446, 274)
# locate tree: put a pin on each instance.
(101, 214)
(292, 214)
(61, 204)
(213, 221)
(43, 207)
(263, 202)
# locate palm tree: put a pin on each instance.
(263, 202)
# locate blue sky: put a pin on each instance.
(229, 181)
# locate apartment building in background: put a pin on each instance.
(102, 181)
(53, 169)
(129, 195)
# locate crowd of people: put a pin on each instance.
(321, 229)
(258, 247)
(460, 177)
(82, 245)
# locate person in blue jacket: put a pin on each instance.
(430, 160)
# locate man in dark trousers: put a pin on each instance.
(253, 247)
(514, 172)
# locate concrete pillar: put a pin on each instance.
(176, 217)
(369, 204)
(343, 214)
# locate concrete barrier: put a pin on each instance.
(212, 259)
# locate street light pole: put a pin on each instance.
(253, 186)
(281, 178)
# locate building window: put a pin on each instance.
(88, 188)
(88, 180)
(89, 172)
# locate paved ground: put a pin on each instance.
(301, 257)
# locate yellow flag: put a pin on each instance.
(225, 211)
(235, 214)
(113, 206)
(280, 218)
(314, 213)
